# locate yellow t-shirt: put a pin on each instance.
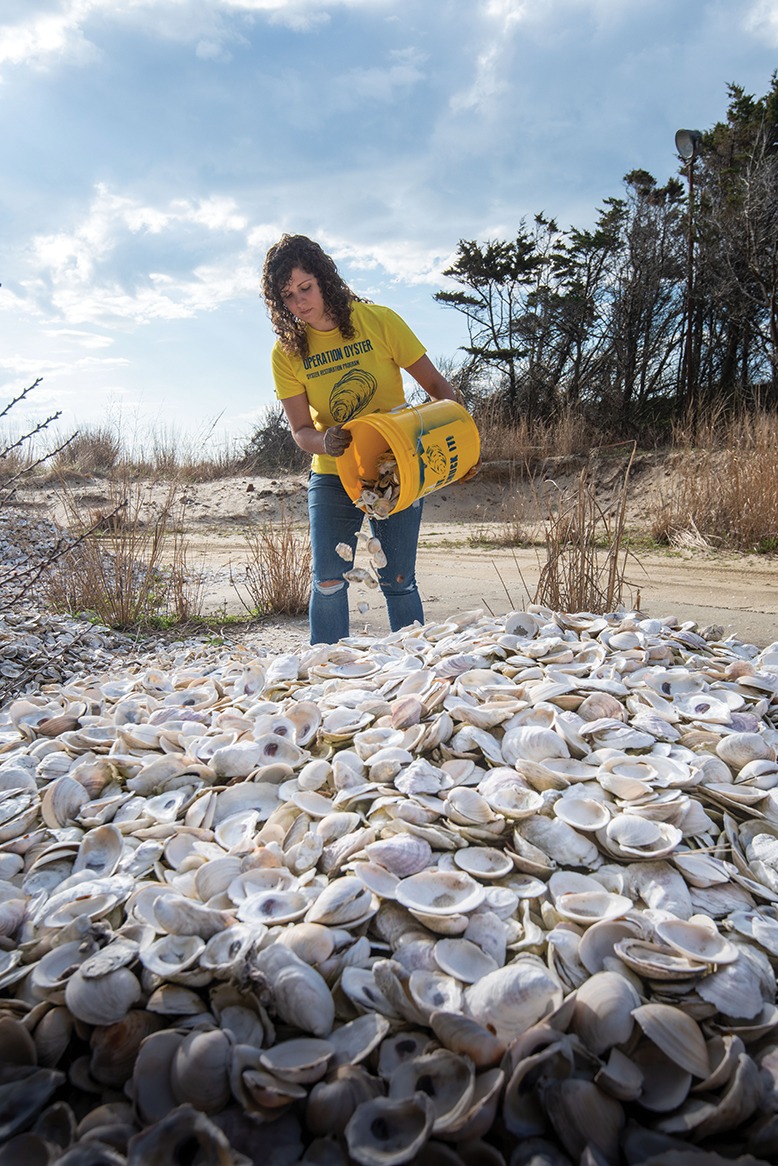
(343, 378)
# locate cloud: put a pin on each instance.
(404, 71)
(131, 262)
(80, 338)
(301, 15)
(43, 36)
(29, 368)
(212, 50)
(493, 62)
(762, 19)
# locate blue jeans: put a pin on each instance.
(335, 519)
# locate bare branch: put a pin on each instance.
(24, 393)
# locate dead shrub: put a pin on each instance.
(92, 450)
(277, 571)
(586, 555)
(119, 569)
(727, 495)
(271, 448)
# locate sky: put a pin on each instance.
(152, 150)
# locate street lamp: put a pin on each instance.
(687, 143)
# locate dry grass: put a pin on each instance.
(586, 557)
(514, 528)
(163, 454)
(725, 494)
(160, 455)
(119, 570)
(278, 570)
(526, 443)
(93, 450)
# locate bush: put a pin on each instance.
(586, 555)
(278, 569)
(271, 447)
(119, 567)
(91, 450)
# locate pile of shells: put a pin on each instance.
(379, 495)
(38, 648)
(491, 891)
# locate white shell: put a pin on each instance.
(513, 998)
(437, 892)
(698, 938)
(463, 959)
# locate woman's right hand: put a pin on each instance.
(336, 440)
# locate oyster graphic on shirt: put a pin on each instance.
(351, 393)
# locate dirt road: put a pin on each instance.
(737, 593)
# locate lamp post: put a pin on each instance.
(687, 143)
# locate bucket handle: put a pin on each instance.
(422, 430)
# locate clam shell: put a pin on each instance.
(583, 1115)
(105, 1000)
(437, 892)
(582, 813)
(303, 1060)
(463, 959)
(171, 955)
(737, 749)
(199, 1070)
(511, 999)
(389, 1130)
(483, 862)
(461, 1034)
(114, 1047)
(698, 938)
(300, 995)
(677, 1035)
(272, 907)
(402, 854)
(656, 961)
(603, 1015)
(356, 1040)
(586, 907)
(447, 1079)
(332, 1103)
(224, 951)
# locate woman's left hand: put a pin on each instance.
(336, 440)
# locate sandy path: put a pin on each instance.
(738, 593)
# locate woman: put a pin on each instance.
(338, 356)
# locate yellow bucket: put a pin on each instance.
(433, 444)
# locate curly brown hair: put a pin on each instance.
(299, 251)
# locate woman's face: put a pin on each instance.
(302, 296)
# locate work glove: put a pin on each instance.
(336, 440)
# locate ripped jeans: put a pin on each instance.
(335, 519)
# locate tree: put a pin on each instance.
(738, 247)
(497, 276)
(582, 264)
(603, 319)
(646, 306)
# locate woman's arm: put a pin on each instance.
(298, 414)
(333, 441)
(433, 382)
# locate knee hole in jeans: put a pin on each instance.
(329, 586)
(398, 586)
